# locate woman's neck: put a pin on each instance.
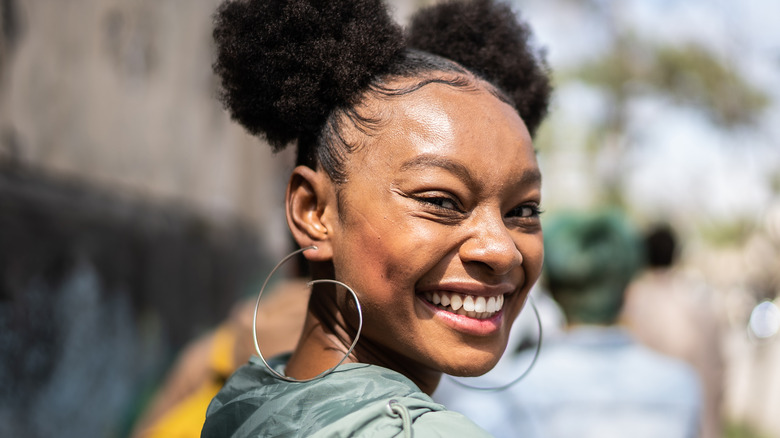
(326, 338)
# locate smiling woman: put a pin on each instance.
(417, 186)
(438, 204)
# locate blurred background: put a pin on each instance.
(134, 213)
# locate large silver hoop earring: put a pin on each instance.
(521, 376)
(309, 284)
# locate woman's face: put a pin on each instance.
(440, 211)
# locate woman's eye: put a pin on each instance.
(447, 203)
(441, 202)
(526, 211)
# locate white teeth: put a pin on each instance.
(490, 307)
(468, 303)
(479, 304)
(456, 302)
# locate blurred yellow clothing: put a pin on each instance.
(185, 420)
(179, 407)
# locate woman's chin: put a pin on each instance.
(474, 367)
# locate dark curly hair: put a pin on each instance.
(297, 70)
(486, 37)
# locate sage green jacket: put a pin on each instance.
(356, 400)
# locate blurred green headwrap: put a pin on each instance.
(589, 260)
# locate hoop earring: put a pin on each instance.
(323, 280)
(521, 376)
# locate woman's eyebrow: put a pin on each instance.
(431, 160)
(527, 177)
(531, 176)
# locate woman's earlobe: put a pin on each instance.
(307, 203)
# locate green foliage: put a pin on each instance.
(688, 74)
(741, 430)
(774, 183)
(693, 75)
(734, 233)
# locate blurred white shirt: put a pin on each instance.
(587, 382)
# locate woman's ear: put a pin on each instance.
(310, 202)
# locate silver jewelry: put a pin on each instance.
(323, 280)
(521, 376)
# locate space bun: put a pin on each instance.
(285, 65)
(487, 38)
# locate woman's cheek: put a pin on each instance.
(369, 260)
(534, 258)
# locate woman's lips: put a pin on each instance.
(466, 307)
(480, 324)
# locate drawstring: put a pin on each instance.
(398, 410)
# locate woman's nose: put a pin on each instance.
(490, 243)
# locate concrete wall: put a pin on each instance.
(121, 94)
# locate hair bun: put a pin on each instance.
(284, 65)
(487, 38)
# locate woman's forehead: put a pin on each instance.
(471, 125)
(426, 103)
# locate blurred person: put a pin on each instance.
(689, 328)
(202, 367)
(592, 379)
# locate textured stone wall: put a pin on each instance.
(133, 212)
(97, 293)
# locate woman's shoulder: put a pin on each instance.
(402, 416)
(355, 400)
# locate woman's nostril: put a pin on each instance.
(497, 251)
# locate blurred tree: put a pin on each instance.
(688, 74)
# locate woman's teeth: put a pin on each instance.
(468, 305)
